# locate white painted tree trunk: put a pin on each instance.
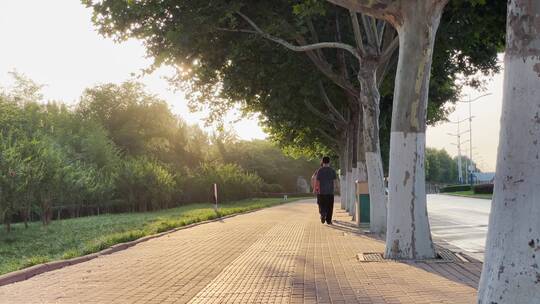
(511, 272)
(348, 192)
(362, 177)
(361, 174)
(408, 234)
(342, 189)
(350, 159)
(342, 177)
(377, 193)
(362, 171)
(353, 192)
(344, 193)
(370, 100)
(347, 177)
(354, 162)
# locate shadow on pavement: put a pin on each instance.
(466, 273)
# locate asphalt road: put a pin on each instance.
(460, 221)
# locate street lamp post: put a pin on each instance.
(458, 144)
(470, 168)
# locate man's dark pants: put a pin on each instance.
(321, 210)
(326, 206)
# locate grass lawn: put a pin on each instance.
(470, 193)
(75, 237)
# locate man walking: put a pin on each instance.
(315, 185)
(326, 176)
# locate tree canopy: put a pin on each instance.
(222, 67)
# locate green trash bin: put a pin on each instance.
(363, 202)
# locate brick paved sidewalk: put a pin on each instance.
(277, 255)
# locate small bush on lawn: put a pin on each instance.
(455, 188)
(483, 189)
(234, 183)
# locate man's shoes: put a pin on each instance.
(329, 223)
(322, 220)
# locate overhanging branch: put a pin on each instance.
(389, 50)
(371, 31)
(318, 113)
(327, 136)
(301, 48)
(326, 68)
(330, 105)
(357, 32)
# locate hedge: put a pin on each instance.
(455, 188)
(280, 195)
(483, 189)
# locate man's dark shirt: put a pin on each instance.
(326, 177)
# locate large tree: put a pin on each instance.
(416, 21)
(370, 46)
(195, 34)
(511, 271)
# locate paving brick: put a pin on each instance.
(277, 255)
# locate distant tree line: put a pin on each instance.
(442, 168)
(121, 149)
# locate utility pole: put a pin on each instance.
(470, 168)
(458, 144)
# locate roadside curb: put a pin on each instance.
(27, 273)
(466, 196)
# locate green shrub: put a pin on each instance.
(483, 189)
(146, 184)
(455, 188)
(272, 188)
(233, 183)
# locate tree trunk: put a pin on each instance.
(511, 272)
(7, 221)
(408, 233)
(345, 194)
(370, 101)
(26, 215)
(44, 211)
(342, 176)
(361, 163)
(354, 163)
(345, 169)
(351, 163)
(353, 191)
(49, 215)
(348, 176)
(43, 220)
(361, 154)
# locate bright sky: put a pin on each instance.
(54, 43)
(486, 112)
